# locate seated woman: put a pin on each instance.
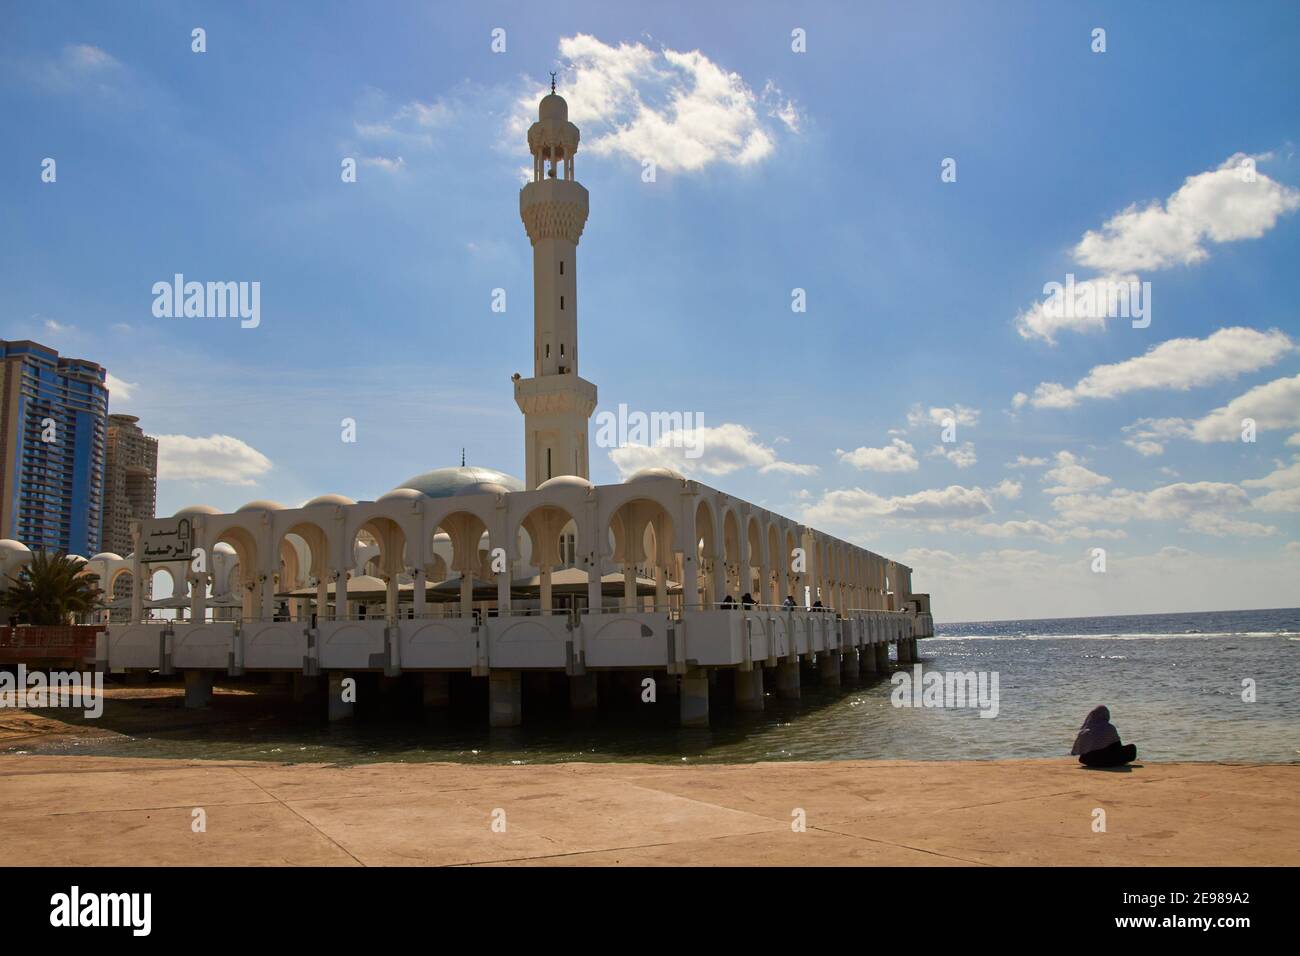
(1098, 744)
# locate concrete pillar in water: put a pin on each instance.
(505, 699)
(828, 666)
(749, 689)
(340, 709)
(882, 658)
(904, 651)
(582, 691)
(198, 688)
(787, 680)
(868, 659)
(849, 664)
(437, 689)
(695, 698)
(304, 687)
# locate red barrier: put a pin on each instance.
(38, 644)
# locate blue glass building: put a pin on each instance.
(53, 421)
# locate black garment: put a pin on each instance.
(1113, 755)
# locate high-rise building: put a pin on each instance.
(130, 481)
(53, 414)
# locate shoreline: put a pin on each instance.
(71, 810)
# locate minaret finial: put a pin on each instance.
(552, 81)
(462, 458)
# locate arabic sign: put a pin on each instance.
(172, 542)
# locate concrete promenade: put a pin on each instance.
(69, 810)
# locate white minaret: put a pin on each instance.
(556, 403)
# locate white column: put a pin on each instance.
(419, 595)
(322, 597)
(546, 589)
(341, 605)
(503, 588)
(198, 598)
(466, 593)
(629, 586)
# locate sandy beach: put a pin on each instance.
(70, 810)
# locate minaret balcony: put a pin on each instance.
(553, 209)
(549, 394)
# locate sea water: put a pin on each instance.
(1176, 685)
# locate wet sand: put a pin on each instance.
(70, 810)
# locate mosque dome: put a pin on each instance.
(261, 504)
(647, 473)
(398, 494)
(565, 481)
(107, 556)
(9, 546)
(465, 480)
(329, 500)
(196, 510)
(553, 107)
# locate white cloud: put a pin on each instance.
(79, 69)
(960, 415)
(1176, 364)
(1284, 489)
(120, 389)
(1006, 488)
(679, 109)
(1214, 206)
(1094, 301)
(1221, 526)
(1148, 435)
(1069, 476)
(1275, 404)
(1175, 502)
(1022, 462)
(963, 456)
(721, 450)
(85, 56)
(216, 458)
(411, 125)
(856, 505)
(898, 455)
(385, 163)
(1032, 528)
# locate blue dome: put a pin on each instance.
(465, 480)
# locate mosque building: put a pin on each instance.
(469, 571)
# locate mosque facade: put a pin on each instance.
(470, 570)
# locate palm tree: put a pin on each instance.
(50, 590)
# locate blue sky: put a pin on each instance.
(775, 170)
